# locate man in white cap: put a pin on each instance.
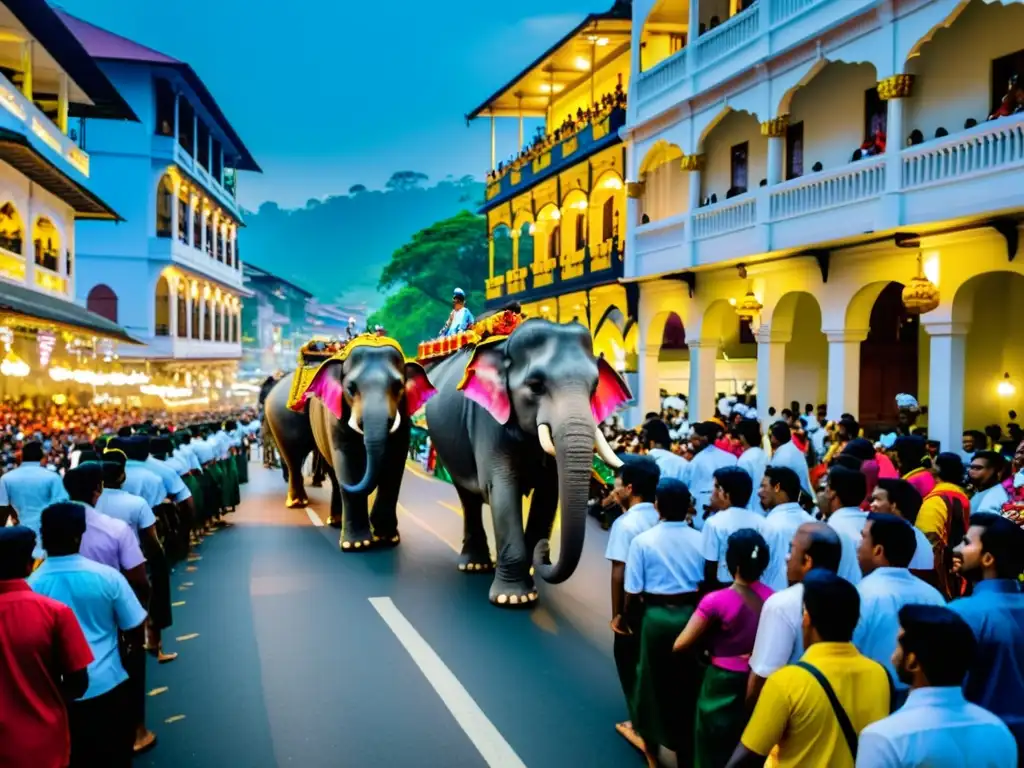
(350, 331)
(460, 318)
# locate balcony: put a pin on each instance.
(567, 152)
(22, 116)
(174, 251)
(166, 149)
(576, 271)
(765, 29)
(967, 175)
(168, 347)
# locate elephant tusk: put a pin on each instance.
(544, 433)
(604, 451)
(353, 424)
(397, 423)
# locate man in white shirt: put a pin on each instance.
(779, 491)
(886, 549)
(984, 472)
(898, 497)
(700, 475)
(753, 459)
(26, 491)
(845, 491)
(729, 500)
(780, 639)
(636, 483)
(936, 727)
(786, 454)
(655, 438)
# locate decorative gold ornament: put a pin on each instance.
(775, 127)
(635, 189)
(895, 87)
(749, 306)
(920, 295)
(692, 162)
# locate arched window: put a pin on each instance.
(46, 240)
(164, 201)
(182, 315)
(197, 226)
(12, 235)
(103, 301)
(163, 307)
(218, 327)
(234, 327)
(195, 316)
(208, 322)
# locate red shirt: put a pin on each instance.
(40, 640)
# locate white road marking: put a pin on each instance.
(314, 518)
(488, 741)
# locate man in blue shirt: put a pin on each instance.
(26, 491)
(102, 725)
(936, 726)
(460, 318)
(992, 554)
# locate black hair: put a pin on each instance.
(909, 452)
(652, 415)
(113, 474)
(786, 479)
(994, 459)
(62, 526)
(848, 484)
(1003, 540)
(824, 546)
(83, 481)
(895, 536)
(950, 468)
(642, 473)
(673, 499)
(781, 432)
(942, 641)
(736, 483)
(747, 552)
(847, 460)
(750, 431)
(16, 546)
(32, 451)
(833, 605)
(861, 448)
(657, 431)
(904, 495)
(124, 432)
(850, 425)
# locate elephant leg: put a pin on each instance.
(541, 518)
(513, 585)
(349, 464)
(384, 514)
(336, 515)
(293, 459)
(476, 553)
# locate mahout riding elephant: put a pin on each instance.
(515, 415)
(356, 413)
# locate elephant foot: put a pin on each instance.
(513, 594)
(334, 522)
(356, 542)
(475, 563)
(387, 541)
(296, 502)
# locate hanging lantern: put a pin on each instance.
(920, 295)
(749, 306)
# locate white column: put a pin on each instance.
(771, 372)
(691, 39)
(946, 374)
(894, 142)
(172, 309)
(175, 215)
(844, 372)
(494, 146)
(202, 317)
(776, 155)
(694, 190)
(204, 228)
(195, 137)
(703, 357)
(648, 395)
(193, 204)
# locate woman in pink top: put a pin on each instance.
(910, 452)
(725, 623)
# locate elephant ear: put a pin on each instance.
(611, 392)
(327, 388)
(484, 382)
(418, 389)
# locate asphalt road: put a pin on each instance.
(294, 654)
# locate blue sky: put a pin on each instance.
(328, 94)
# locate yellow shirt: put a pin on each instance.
(933, 516)
(793, 710)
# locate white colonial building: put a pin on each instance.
(802, 162)
(171, 273)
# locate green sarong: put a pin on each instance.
(242, 465)
(665, 695)
(214, 494)
(229, 492)
(721, 716)
(192, 483)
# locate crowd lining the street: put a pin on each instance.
(97, 507)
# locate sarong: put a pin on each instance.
(230, 495)
(211, 489)
(721, 716)
(192, 483)
(160, 592)
(665, 696)
(242, 465)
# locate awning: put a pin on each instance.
(16, 150)
(43, 309)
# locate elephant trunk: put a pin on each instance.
(375, 427)
(573, 437)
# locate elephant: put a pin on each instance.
(520, 414)
(356, 414)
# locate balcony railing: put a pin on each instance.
(568, 151)
(726, 38)
(821, 191)
(572, 271)
(727, 216)
(781, 10)
(662, 75)
(995, 145)
(39, 125)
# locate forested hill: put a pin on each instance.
(337, 247)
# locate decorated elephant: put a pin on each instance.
(515, 414)
(353, 408)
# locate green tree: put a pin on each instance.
(422, 273)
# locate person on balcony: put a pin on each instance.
(460, 317)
